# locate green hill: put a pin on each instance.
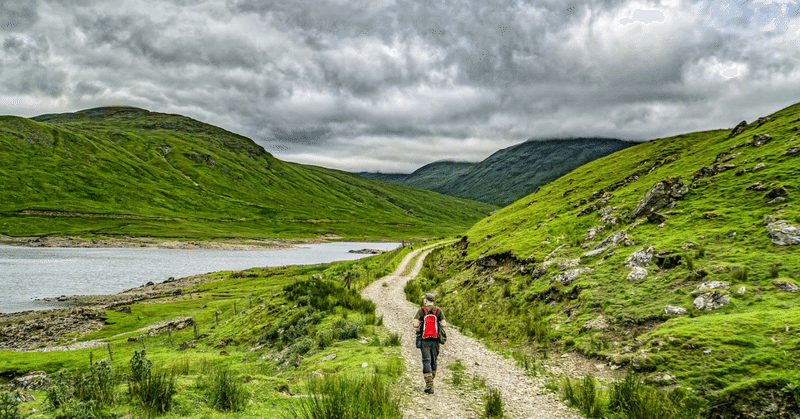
(127, 171)
(510, 173)
(703, 224)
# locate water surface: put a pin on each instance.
(31, 273)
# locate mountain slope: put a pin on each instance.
(510, 173)
(704, 224)
(127, 171)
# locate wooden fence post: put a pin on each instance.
(110, 356)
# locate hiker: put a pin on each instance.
(428, 334)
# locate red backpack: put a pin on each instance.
(430, 324)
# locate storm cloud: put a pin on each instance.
(391, 85)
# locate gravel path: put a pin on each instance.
(523, 396)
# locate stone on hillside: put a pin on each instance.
(713, 285)
(731, 157)
(656, 218)
(599, 323)
(593, 253)
(590, 233)
(567, 277)
(664, 193)
(588, 210)
(486, 262)
(792, 151)
(538, 272)
(637, 274)
(568, 263)
(759, 166)
(786, 286)
(711, 300)
(667, 259)
(778, 200)
(613, 239)
(640, 258)
(763, 120)
(30, 382)
(758, 186)
(741, 290)
(761, 139)
(668, 309)
(553, 252)
(779, 191)
(711, 171)
(710, 215)
(738, 129)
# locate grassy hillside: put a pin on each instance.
(549, 271)
(127, 171)
(508, 174)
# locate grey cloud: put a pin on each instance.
(16, 16)
(25, 69)
(644, 16)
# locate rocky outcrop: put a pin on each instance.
(711, 300)
(368, 252)
(637, 274)
(786, 286)
(33, 381)
(758, 186)
(30, 334)
(538, 272)
(792, 151)
(590, 233)
(614, 239)
(712, 170)
(713, 285)
(664, 193)
(738, 129)
(781, 232)
(567, 277)
(761, 139)
(640, 258)
(777, 192)
(668, 309)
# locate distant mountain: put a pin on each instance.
(127, 171)
(508, 174)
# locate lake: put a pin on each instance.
(30, 273)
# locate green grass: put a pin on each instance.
(753, 341)
(239, 365)
(114, 172)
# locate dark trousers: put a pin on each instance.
(430, 351)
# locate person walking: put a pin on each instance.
(428, 323)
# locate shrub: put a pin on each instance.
(97, 385)
(342, 329)
(739, 274)
(345, 397)
(140, 366)
(701, 251)
(689, 261)
(773, 271)
(9, 408)
(225, 393)
(457, 378)
(59, 391)
(494, 404)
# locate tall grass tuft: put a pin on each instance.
(585, 395)
(494, 404)
(393, 340)
(739, 274)
(97, 385)
(225, 392)
(773, 271)
(155, 393)
(348, 397)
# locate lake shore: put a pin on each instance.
(161, 243)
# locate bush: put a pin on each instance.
(585, 396)
(344, 397)
(97, 385)
(59, 391)
(393, 340)
(494, 404)
(342, 329)
(739, 274)
(155, 392)
(225, 393)
(140, 367)
(9, 408)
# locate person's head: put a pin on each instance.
(428, 299)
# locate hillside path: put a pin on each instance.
(523, 396)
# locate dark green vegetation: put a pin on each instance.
(127, 171)
(244, 362)
(510, 270)
(508, 174)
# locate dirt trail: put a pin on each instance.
(523, 396)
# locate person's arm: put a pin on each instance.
(442, 320)
(415, 321)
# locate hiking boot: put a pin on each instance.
(433, 374)
(428, 383)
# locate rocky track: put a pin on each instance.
(523, 396)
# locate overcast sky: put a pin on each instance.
(391, 85)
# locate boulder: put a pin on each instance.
(759, 166)
(786, 286)
(779, 191)
(758, 186)
(761, 139)
(783, 234)
(664, 193)
(778, 200)
(792, 151)
(590, 233)
(568, 263)
(538, 272)
(763, 120)
(713, 285)
(668, 309)
(656, 218)
(599, 323)
(738, 129)
(637, 274)
(588, 210)
(486, 262)
(667, 259)
(711, 300)
(640, 258)
(614, 239)
(712, 170)
(30, 382)
(567, 277)
(593, 253)
(741, 290)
